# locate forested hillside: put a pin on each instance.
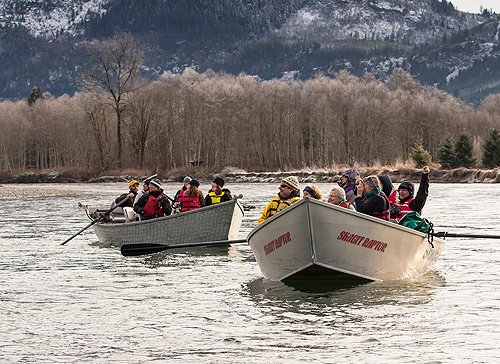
(43, 43)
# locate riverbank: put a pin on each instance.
(458, 175)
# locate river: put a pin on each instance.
(85, 303)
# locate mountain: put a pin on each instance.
(42, 42)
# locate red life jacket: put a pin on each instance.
(153, 208)
(384, 215)
(392, 197)
(405, 208)
(189, 203)
(345, 204)
(182, 193)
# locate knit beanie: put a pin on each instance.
(219, 181)
(194, 183)
(156, 183)
(292, 182)
(407, 185)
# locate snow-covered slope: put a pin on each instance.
(48, 18)
(410, 22)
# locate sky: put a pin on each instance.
(472, 6)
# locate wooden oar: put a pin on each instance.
(445, 234)
(97, 220)
(131, 250)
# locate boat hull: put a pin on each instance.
(313, 233)
(213, 223)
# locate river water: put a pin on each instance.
(85, 303)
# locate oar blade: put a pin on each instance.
(133, 250)
(130, 250)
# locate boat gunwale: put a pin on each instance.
(111, 225)
(308, 200)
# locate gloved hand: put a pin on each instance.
(394, 210)
(139, 210)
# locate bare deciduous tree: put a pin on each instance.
(117, 64)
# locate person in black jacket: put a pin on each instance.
(133, 189)
(216, 193)
(370, 199)
(154, 203)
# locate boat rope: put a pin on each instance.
(430, 233)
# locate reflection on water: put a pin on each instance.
(86, 303)
(347, 291)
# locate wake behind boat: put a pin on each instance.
(313, 237)
(221, 221)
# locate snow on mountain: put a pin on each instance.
(48, 18)
(413, 22)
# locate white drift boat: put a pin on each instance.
(313, 237)
(221, 221)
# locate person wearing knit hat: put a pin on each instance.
(154, 203)
(291, 182)
(193, 197)
(216, 193)
(155, 183)
(406, 203)
(183, 190)
(194, 183)
(130, 195)
(288, 195)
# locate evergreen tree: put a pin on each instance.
(464, 151)
(446, 154)
(491, 150)
(420, 156)
(35, 94)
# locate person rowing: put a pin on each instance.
(130, 195)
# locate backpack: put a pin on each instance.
(414, 221)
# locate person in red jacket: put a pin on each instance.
(406, 203)
(193, 199)
(154, 203)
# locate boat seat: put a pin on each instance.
(129, 214)
(117, 215)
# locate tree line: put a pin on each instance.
(241, 121)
